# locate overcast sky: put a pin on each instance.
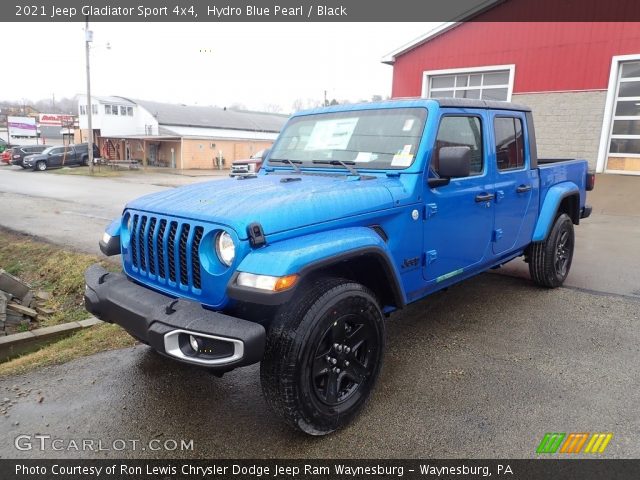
(254, 64)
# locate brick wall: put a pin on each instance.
(568, 124)
(199, 153)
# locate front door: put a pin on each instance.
(458, 216)
(56, 157)
(514, 183)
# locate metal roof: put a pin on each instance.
(482, 7)
(111, 99)
(212, 117)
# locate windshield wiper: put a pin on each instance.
(293, 163)
(346, 164)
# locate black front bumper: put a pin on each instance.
(166, 323)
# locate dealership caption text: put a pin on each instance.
(217, 11)
(278, 471)
(338, 470)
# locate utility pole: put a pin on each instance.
(88, 38)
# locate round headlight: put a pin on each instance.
(225, 249)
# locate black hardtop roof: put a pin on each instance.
(470, 103)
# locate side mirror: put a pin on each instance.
(453, 162)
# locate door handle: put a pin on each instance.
(484, 197)
(523, 188)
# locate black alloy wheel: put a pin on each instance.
(344, 359)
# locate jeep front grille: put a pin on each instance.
(160, 247)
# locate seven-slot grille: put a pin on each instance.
(166, 249)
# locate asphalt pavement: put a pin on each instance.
(73, 210)
(482, 370)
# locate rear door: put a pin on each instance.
(72, 156)
(515, 182)
(458, 216)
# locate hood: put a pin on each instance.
(276, 201)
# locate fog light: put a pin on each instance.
(195, 345)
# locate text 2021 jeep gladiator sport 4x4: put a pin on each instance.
(358, 211)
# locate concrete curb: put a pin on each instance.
(19, 343)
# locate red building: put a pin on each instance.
(582, 79)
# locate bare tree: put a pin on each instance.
(297, 105)
(272, 108)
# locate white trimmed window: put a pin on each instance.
(484, 83)
(625, 132)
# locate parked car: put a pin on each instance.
(358, 211)
(4, 145)
(18, 153)
(55, 157)
(250, 166)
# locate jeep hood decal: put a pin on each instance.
(277, 205)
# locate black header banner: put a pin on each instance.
(586, 469)
(317, 10)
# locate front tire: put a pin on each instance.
(323, 355)
(550, 260)
(41, 166)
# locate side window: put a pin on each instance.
(460, 131)
(509, 143)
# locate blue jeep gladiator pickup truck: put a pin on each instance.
(358, 211)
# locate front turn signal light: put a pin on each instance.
(283, 283)
(266, 282)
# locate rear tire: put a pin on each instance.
(41, 166)
(323, 355)
(550, 260)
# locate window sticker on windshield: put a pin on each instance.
(331, 134)
(401, 160)
(364, 157)
(408, 124)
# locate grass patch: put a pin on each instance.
(86, 342)
(47, 267)
(60, 272)
(97, 172)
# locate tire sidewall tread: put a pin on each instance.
(287, 338)
(542, 254)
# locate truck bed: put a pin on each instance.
(557, 170)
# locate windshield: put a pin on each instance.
(378, 139)
(49, 150)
